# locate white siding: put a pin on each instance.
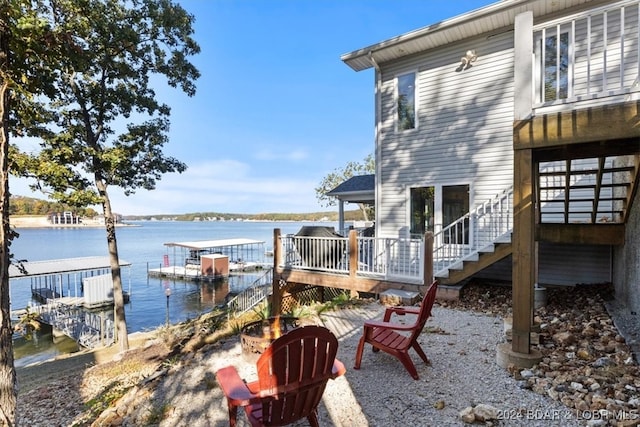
(465, 128)
(562, 265)
(98, 289)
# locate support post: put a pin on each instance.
(353, 253)
(341, 216)
(275, 286)
(523, 250)
(353, 260)
(427, 273)
(520, 353)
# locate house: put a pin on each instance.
(512, 132)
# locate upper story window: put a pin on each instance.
(406, 101)
(553, 65)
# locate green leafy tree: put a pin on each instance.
(26, 43)
(340, 175)
(110, 128)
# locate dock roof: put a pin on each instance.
(58, 266)
(212, 244)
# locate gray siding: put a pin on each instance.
(464, 132)
(562, 265)
(464, 136)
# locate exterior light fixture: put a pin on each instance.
(167, 292)
(466, 60)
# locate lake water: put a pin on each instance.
(143, 246)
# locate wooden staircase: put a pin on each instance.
(581, 200)
(474, 264)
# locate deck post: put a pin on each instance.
(277, 260)
(519, 352)
(353, 259)
(353, 253)
(427, 270)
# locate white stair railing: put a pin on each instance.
(473, 232)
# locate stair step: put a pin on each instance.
(503, 239)
(487, 249)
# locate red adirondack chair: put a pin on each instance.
(395, 338)
(292, 375)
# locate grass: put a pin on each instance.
(158, 413)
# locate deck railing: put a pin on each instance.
(589, 55)
(402, 259)
(328, 254)
(378, 257)
(390, 258)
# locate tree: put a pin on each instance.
(8, 393)
(26, 42)
(115, 49)
(340, 175)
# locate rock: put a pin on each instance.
(582, 405)
(583, 354)
(577, 386)
(467, 415)
(527, 373)
(484, 412)
(603, 362)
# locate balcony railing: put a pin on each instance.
(383, 258)
(588, 56)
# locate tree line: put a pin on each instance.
(21, 205)
(353, 215)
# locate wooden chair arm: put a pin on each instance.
(369, 324)
(233, 387)
(338, 369)
(400, 311)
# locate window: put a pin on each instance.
(406, 101)
(554, 58)
(436, 207)
(422, 209)
(455, 205)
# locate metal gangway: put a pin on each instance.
(259, 290)
(88, 329)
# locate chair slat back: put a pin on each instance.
(293, 373)
(425, 309)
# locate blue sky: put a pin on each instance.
(276, 109)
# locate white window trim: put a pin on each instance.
(416, 103)
(437, 205)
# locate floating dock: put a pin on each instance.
(211, 260)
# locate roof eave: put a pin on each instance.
(361, 59)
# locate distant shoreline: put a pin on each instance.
(41, 221)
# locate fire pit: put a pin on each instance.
(257, 336)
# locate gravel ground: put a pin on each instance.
(463, 372)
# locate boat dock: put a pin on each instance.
(211, 260)
(66, 290)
